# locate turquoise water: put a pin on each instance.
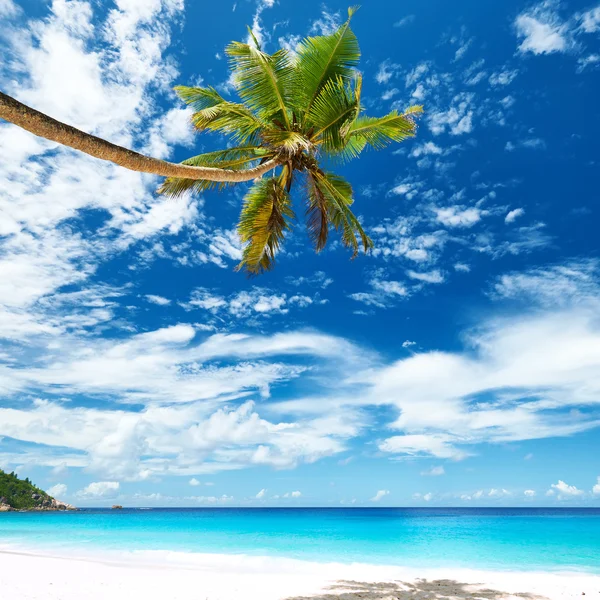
(511, 539)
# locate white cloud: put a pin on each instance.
(458, 216)
(57, 491)
(503, 78)
(326, 24)
(530, 143)
(425, 497)
(564, 490)
(8, 8)
(429, 277)
(258, 302)
(596, 488)
(434, 471)
(99, 489)
(541, 30)
(405, 21)
(102, 74)
(261, 494)
(457, 120)
(426, 149)
(587, 61)
(380, 495)
(194, 482)
(513, 215)
(386, 71)
(183, 429)
(572, 283)
(438, 445)
(383, 293)
(498, 493)
(590, 20)
(529, 493)
(160, 300)
(462, 268)
(295, 494)
(408, 344)
(516, 380)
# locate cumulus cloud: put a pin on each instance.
(456, 120)
(186, 427)
(380, 495)
(513, 215)
(425, 497)
(57, 491)
(541, 31)
(194, 482)
(529, 493)
(261, 494)
(458, 216)
(596, 488)
(99, 489)
(295, 494)
(564, 490)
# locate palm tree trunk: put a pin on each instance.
(44, 126)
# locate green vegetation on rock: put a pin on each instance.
(21, 493)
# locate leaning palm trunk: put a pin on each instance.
(44, 126)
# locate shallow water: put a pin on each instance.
(511, 539)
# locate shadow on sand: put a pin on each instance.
(440, 589)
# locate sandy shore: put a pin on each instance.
(172, 576)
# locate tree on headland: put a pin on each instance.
(296, 109)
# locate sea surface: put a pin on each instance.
(498, 539)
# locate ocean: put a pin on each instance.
(485, 538)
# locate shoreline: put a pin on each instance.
(178, 575)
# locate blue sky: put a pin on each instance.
(458, 364)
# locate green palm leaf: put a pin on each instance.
(214, 113)
(323, 58)
(378, 132)
(240, 157)
(263, 81)
(264, 219)
(332, 113)
(317, 213)
(338, 195)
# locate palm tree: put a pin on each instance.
(297, 109)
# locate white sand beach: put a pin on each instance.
(173, 576)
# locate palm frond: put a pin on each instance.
(378, 132)
(338, 195)
(263, 222)
(317, 215)
(240, 157)
(289, 142)
(332, 113)
(323, 58)
(214, 113)
(263, 81)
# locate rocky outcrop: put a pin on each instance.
(116, 507)
(45, 505)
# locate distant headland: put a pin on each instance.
(21, 495)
